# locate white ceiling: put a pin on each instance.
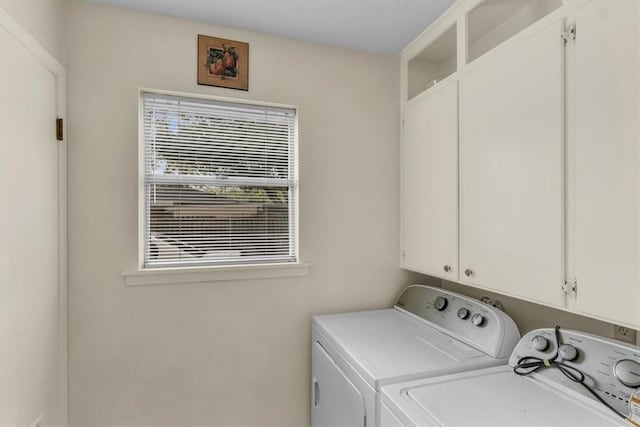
(377, 26)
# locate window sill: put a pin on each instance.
(168, 276)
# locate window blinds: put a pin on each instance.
(219, 182)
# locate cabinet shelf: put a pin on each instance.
(432, 64)
(494, 21)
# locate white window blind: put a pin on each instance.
(219, 182)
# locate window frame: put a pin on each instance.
(189, 274)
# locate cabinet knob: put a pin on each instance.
(447, 268)
(468, 272)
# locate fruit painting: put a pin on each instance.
(223, 63)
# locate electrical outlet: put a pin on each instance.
(624, 334)
(492, 302)
(38, 421)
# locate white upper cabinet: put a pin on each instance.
(511, 164)
(430, 182)
(607, 160)
(548, 144)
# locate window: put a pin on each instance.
(219, 182)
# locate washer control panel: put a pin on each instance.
(440, 303)
(540, 343)
(463, 313)
(627, 371)
(611, 367)
(469, 320)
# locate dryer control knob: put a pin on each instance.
(540, 343)
(568, 352)
(463, 313)
(477, 319)
(441, 303)
(627, 371)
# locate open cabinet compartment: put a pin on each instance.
(494, 21)
(433, 63)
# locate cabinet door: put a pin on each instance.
(511, 161)
(607, 80)
(430, 183)
(336, 402)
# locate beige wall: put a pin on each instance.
(529, 316)
(234, 353)
(44, 20)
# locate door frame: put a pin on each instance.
(60, 75)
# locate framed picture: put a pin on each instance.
(223, 63)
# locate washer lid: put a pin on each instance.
(498, 397)
(387, 344)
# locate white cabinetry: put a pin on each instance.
(607, 160)
(548, 148)
(511, 163)
(430, 182)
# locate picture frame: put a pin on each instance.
(223, 63)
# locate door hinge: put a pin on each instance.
(59, 126)
(569, 33)
(570, 287)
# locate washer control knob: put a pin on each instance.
(477, 319)
(463, 313)
(568, 352)
(540, 343)
(441, 303)
(627, 371)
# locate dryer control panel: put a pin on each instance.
(478, 324)
(611, 368)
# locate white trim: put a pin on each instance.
(181, 275)
(216, 98)
(450, 79)
(9, 24)
(295, 206)
(141, 193)
(60, 75)
(462, 41)
(445, 21)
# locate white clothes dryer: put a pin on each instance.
(429, 332)
(532, 390)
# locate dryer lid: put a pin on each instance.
(389, 344)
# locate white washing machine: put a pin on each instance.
(429, 332)
(539, 395)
